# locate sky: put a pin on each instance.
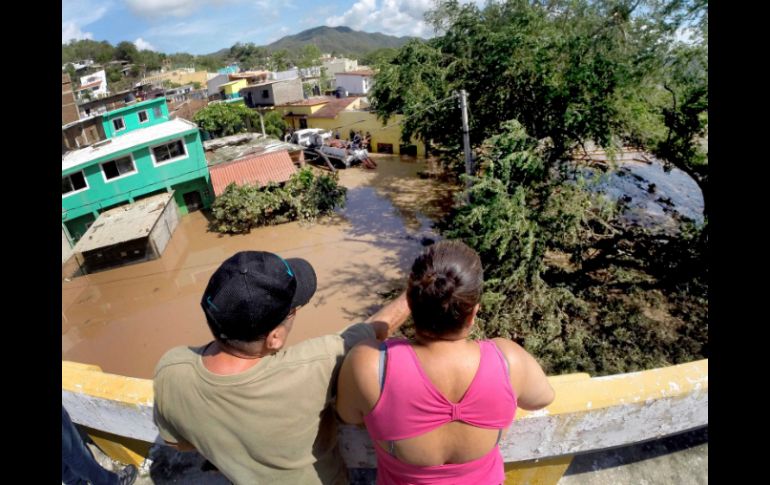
(205, 26)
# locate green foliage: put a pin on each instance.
(570, 71)
(310, 55)
(377, 57)
(275, 125)
(126, 51)
(223, 119)
(518, 215)
(279, 60)
(304, 197)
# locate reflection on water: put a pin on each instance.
(651, 196)
(124, 319)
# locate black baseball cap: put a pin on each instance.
(254, 291)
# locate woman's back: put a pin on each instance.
(439, 412)
(444, 402)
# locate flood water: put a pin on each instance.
(652, 197)
(124, 319)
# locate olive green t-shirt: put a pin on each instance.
(270, 424)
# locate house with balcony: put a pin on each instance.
(144, 154)
(93, 86)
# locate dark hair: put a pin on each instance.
(444, 286)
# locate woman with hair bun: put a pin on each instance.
(436, 406)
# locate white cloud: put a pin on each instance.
(176, 8)
(70, 31)
(393, 17)
(142, 44)
(76, 14)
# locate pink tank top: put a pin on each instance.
(410, 405)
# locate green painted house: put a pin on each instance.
(145, 153)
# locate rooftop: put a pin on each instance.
(89, 85)
(131, 106)
(260, 169)
(134, 138)
(310, 101)
(360, 72)
(333, 107)
(229, 148)
(124, 223)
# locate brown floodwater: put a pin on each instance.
(124, 319)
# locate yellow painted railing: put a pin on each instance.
(588, 414)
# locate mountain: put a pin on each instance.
(338, 40)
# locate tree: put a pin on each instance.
(570, 71)
(223, 119)
(378, 56)
(279, 60)
(126, 51)
(310, 55)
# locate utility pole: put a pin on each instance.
(261, 122)
(466, 135)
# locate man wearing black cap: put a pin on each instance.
(261, 413)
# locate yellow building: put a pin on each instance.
(346, 114)
(231, 89)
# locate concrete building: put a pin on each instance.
(93, 86)
(131, 233)
(355, 82)
(345, 114)
(272, 93)
(69, 108)
(82, 133)
(144, 153)
(340, 64)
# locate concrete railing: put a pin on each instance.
(589, 414)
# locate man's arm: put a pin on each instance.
(390, 317)
(181, 446)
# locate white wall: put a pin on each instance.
(215, 82)
(354, 84)
(100, 76)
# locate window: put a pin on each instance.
(143, 116)
(265, 93)
(118, 124)
(157, 112)
(117, 168)
(169, 152)
(73, 183)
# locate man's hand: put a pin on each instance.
(181, 446)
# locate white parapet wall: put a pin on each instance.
(588, 414)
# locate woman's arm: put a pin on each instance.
(529, 382)
(357, 385)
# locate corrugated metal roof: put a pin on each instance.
(260, 169)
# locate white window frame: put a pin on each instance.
(155, 162)
(127, 174)
(85, 179)
(146, 113)
(122, 120)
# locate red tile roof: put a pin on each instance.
(86, 86)
(332, 109)
(254, 169)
